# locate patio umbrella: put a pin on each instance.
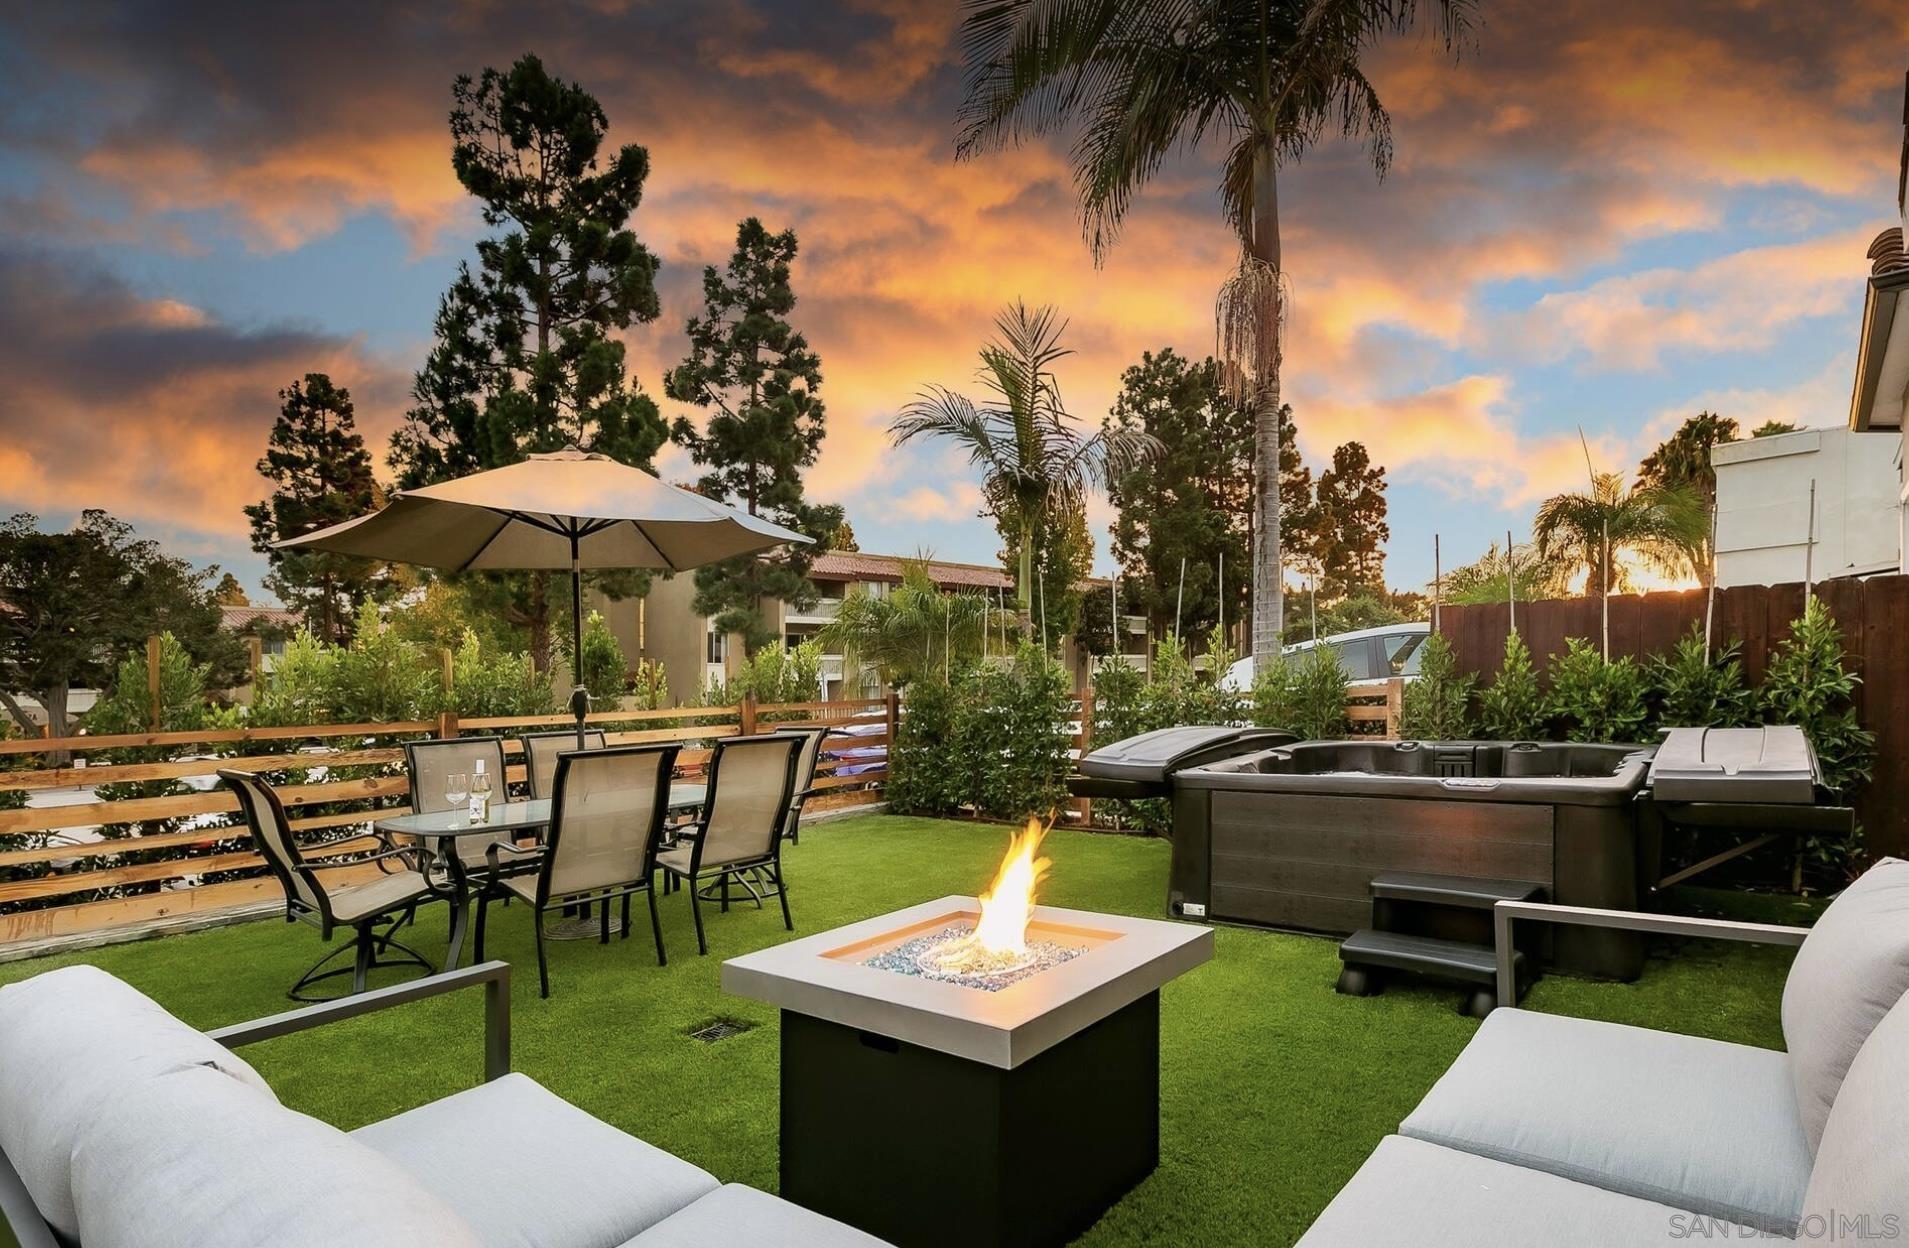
(569, 510)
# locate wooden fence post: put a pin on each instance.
(255, 657)
(1394, 706)
(748, 715)
(891, 707)
(1085, 806)
(447, 724)
(152, 678)
(444, 667)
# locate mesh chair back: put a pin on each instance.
(605, 817)
(750, 782)
(540, 756)
(429, 762)
(805, 763)
(272, 832)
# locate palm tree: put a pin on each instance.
(1142, 78)
(1663, 525)
(1683, 459)
(1036, 465)
(912, 631)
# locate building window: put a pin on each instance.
(718, 647)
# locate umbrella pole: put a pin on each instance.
(579, 696)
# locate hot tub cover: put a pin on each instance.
(1772, 764)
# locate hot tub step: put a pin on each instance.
(1452, 890)
(1367, 951)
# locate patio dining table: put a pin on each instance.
(438, 829)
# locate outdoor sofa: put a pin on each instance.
(121, 1127)
(1561, 1131)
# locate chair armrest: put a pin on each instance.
(1505, 912)
(332, 864)
(494, 976)
(490, 853)
(19, 1215)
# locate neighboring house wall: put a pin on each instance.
(1763, 506)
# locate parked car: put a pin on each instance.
(1366, 654)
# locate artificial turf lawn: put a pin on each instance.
(1273, 1088)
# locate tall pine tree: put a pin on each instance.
(321, 475)
(758, 378)
(527, 359)
(1351, 526)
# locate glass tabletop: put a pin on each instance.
(509, 816)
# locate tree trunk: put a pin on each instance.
(1269, 581)
(1024, 580)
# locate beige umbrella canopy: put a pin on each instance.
(568, 510)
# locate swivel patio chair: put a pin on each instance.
(605, 818)
(751, 781)
(805, 764)
(390, 899)
(540, 756)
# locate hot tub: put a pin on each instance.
(1291, 836)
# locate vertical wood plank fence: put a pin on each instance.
(1873, 614)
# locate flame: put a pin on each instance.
(999, 938)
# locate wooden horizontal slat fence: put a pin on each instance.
(1873, 613)
(94, 864)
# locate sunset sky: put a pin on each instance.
(1609, 214)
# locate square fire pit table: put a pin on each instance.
(970, 1111)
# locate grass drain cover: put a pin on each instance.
(721, 1029)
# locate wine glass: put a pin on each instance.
(457, 790)
(481, 787)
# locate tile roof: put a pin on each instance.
(238, 619)
(841, 565)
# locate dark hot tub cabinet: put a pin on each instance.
(1318, 835)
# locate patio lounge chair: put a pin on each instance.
(1565, 1131)
(605, 821)
(389, 900)
(751, 781)
(540, 756)
(121, 1127)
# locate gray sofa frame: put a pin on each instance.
(26, 1228)
(1505, 913)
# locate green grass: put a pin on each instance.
(1274, 1088)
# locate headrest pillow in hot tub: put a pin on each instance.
(1771, 764)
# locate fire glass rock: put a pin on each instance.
(919, 956)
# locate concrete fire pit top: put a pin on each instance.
(1120, 960)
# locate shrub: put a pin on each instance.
(649, 685)
(772, 674)
(1276, 693)
(1511, 708)
(1012, 735)
(1319, 695)
(1807, 685)
(1438, 704)
(1700, 692)
(298, 688)
(127, 707)
(484, 683)
(920, 779)
(603, 670)
(380, 677)
(1599, 699)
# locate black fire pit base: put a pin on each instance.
(924, 1149)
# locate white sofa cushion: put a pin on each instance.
(1691, 1123)
(734, 1214)
(1411, 1194)
(73, 1044)
(528, 1169)
(1862, 1165)
(1852, 968)
(193, 1159)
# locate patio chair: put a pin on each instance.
(805, 765)
(430, 762)
(751, 782)
(605, 818)
(540, 756)
(390, 899)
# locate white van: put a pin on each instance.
(1366, 654)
